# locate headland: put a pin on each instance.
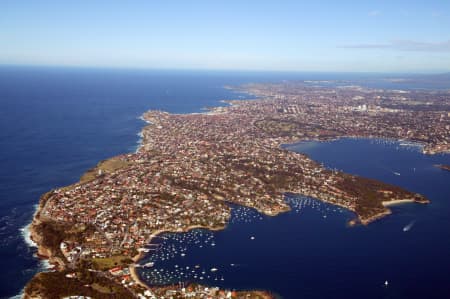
(187, 170)
(443, 167)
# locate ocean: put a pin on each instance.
(56, 123)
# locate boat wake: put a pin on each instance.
(409, 226)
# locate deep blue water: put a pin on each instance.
(55, 123)
(311, 253)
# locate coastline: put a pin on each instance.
(26, 233)
(48, 260)
(367, 221)
(133, 269)
(442, 167)
(45, 254)
(397, 202)
(137, 279)
(388, 211)
(411, 143)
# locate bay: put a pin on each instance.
(310, 252)
(56, 123)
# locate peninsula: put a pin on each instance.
(190, 166)
(443, 167)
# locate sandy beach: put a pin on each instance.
(397, 202)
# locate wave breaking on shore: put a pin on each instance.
(25, 232)
(26, 235)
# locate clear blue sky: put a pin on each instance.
(365, 35)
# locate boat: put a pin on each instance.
(386, 283)
(409, 226)
(396, 173)
(213, 269)
(149, 264)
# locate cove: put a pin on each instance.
(310, 252)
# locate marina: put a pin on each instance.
(171, 261)
(311, 247)
(280, 245)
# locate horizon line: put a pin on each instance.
(147, 68)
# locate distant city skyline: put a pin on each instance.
(336, 36)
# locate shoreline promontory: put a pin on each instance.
(187, 170)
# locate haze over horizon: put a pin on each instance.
(367, 36)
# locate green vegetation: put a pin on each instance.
(43, 200)
(55, 285)
(367, 191)
(53, 234)
(278, 127)
(106, 166)
(111, 262)
(102, 288)
(293, 128)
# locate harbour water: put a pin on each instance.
(310, 252)
(56, 123)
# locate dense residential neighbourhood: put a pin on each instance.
(328, 112)
(191, 166)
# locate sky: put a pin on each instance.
(343, 36)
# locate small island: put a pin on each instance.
(191, 166)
